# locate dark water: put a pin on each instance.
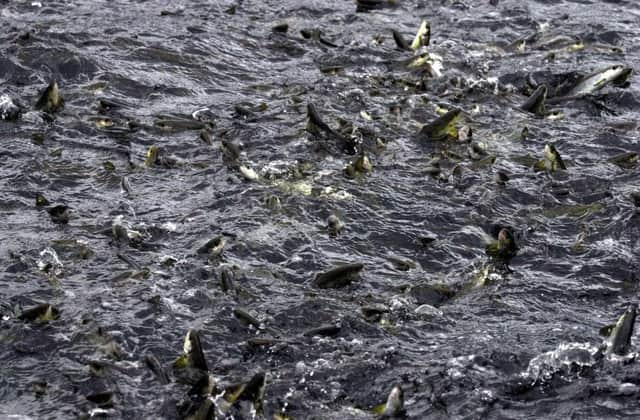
(519, 345)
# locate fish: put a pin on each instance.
(394, 407)
(373, 313)
(213, 247)
(262, 341)
(281, 28)
(316, 35)
(442, 127)
(193, 356)
(205, 136)
(248, 173)
(423, 36)
(339, 276)
(102, 399)
(432, 294)
(227, 279)
(50, 99)
(123, 234)
(154, 365)
(536, 102)
(619, 340)
(551, 162)
(252, 391)
(155, 157)
(59, 214)
(368, 5)
(575, 210)
(244, 316)
(152, 156)
(109, 104)
(504, 248)
(324, 330)
(206, 411)
(425, 63)
(120, 234)
(333, 70)
(519, 134)
(109, 166)
(334, 225)
(360, 166)
(249, 111)
(273, 202)
(484, 276)
(230, 150)
(501, 178)
(401, 43)
(317, 127)
(179, 124)
(616, 74)
(205, 385)
(102, 122)
(625, 160)
(553, 156)
(125, 185)
(477, 150)
(41, 200)
(402, 264)
(43, 313)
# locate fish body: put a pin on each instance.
(245, 317)
(504, 248)
(156, 158)
(248, 173)
(442, 127)
(154, 365)
(423, 36)
(593, 82)
(394, 407)
(625, 160)
(59, 214)
(619, 340)
(368, 5)
(401, 43)
(317, 127)
(42, 313)
(334, 225)
(152, 156)
(536, 102)
(339, 276)
(360, 166)
(50, 99)
(193, 356)
(179, 124)
(553, 156)
(252, 391)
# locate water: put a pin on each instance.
(517, 345)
